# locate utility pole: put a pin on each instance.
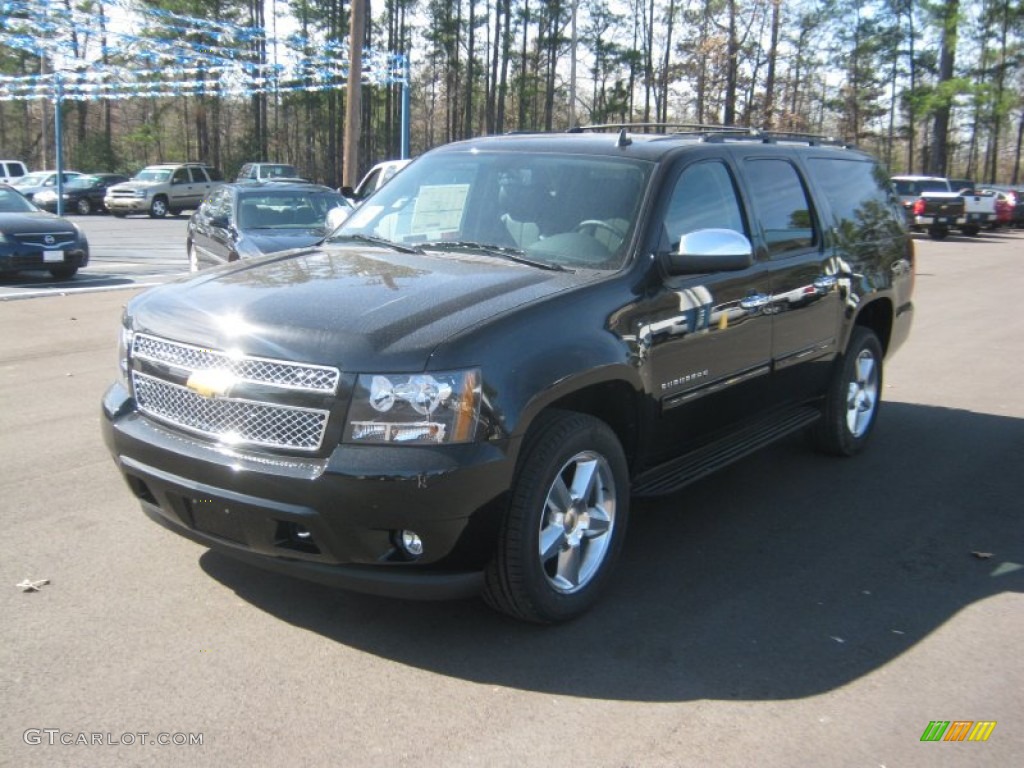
(350, 171)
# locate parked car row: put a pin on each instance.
(938, 205)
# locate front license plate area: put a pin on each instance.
(212, 517)
(52, 256)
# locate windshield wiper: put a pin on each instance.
(512, 254)
(374, 241)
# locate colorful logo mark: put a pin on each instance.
(958, 730)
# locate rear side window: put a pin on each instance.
(783, 206)
(858, 194)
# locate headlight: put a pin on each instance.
(141, 192)
(124, 349)
(422, 408)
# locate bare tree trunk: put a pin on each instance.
(947, 55)
(731, 67)
(470, 70)
(773, 52)
(506, 55)
(667, 61)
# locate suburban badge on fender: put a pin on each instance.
(211, 382)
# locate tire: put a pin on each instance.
(63, 273)
(971, 230)
(83, 206)
(853, 398)
(938, 233)
(566, 521)
(158, 208)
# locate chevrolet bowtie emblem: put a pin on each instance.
(211, 382)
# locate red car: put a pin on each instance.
(1006, 202)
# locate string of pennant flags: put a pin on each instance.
(90, 56)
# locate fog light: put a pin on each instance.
(411, 543)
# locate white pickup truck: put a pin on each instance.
(979, 209)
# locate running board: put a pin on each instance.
(677, 473)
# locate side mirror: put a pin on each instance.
(219, 221)
(336, 217)
(711, 250)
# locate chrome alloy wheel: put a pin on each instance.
(577, 524)
(862, 395)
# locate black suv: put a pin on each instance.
(461, 389)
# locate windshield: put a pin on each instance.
(32, 180)
(561, 210)
(83, 182)
(155, 175)
(14, 202)
(286, 209)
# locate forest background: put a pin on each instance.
(926, 86)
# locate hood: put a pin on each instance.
(365, 310)
(272, 241)
(135, 184)
(35, 222)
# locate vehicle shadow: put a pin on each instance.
(786, 575)
(41, 280)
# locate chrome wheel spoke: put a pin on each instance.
(583, 480)
(599, 524)
(865, 370)
(559, 497)
(569, 564)
(552, 541)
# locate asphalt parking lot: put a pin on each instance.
(791, 610)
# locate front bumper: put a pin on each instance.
(333, 520)
(17, 258)
(126, 204)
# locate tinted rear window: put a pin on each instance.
(857, 191)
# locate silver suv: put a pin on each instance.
(162, 189)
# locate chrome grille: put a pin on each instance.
(312, 378)
(39, 239)
(229, 420)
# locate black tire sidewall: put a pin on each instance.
(564, 436)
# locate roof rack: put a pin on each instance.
(714, 133)
(285, 180)
(662, 128)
